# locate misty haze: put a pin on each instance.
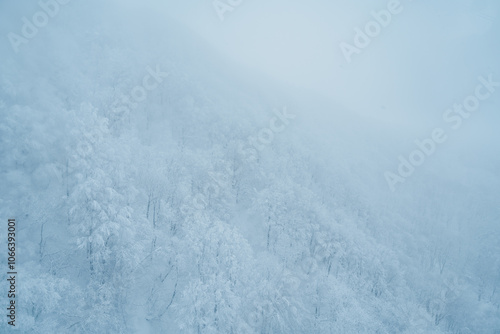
(237, 166)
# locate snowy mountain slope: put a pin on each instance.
(160, 215)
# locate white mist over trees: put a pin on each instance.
(162, 183)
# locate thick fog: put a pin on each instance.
(232, 166)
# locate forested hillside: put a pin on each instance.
(158, 190)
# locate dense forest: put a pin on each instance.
(158, 188)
